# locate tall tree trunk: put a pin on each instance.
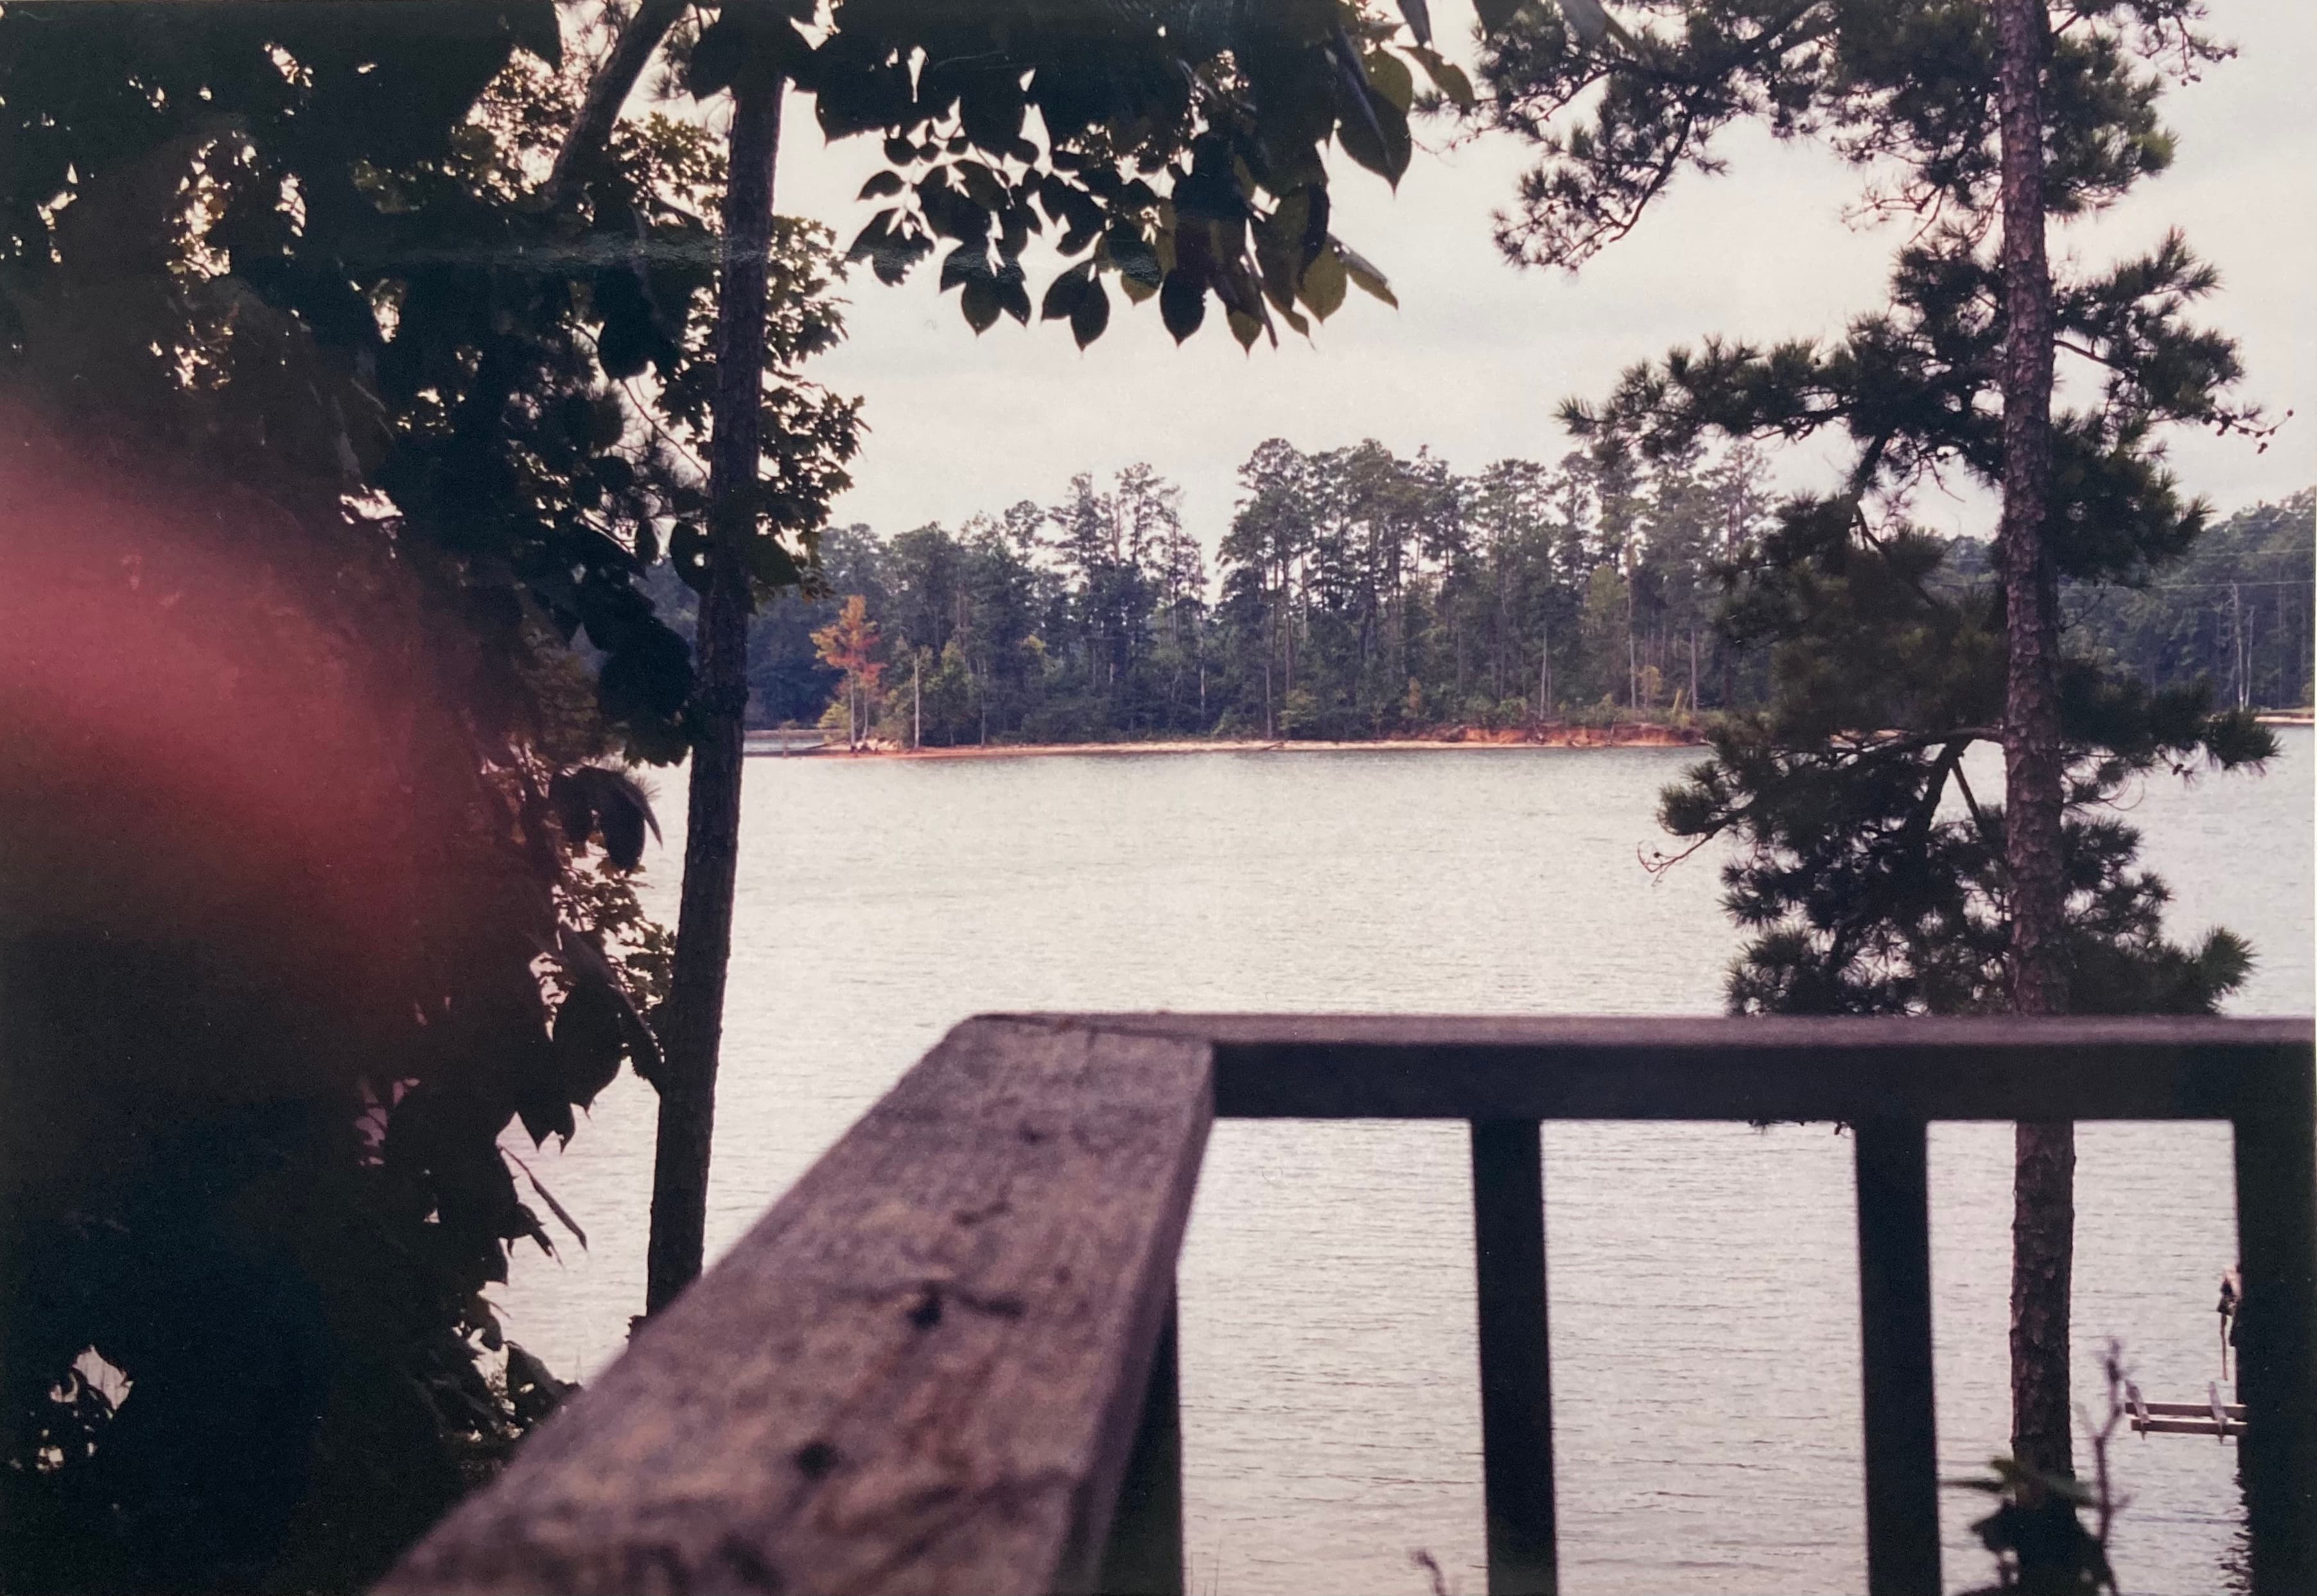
(2043, 1224)
(613, 81)
(712, 851)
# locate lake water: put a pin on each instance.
(1702, 1277)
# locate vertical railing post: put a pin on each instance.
(1144, 1555)
(1516, 1365)
(2277, 1350)
(1894, 1319)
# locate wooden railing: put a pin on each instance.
(944, 1362)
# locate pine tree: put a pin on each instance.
(1974, 123)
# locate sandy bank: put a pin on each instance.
(1556, 736)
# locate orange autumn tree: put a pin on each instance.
(849, 644)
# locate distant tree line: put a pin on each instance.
(1361, 594)
(2237, 610)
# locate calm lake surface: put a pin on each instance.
(1703, 1303)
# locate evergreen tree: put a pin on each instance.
(1979, 125)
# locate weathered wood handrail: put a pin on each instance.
(944, 1361)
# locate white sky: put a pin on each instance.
(1480, 354)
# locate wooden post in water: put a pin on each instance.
(1515, 1370)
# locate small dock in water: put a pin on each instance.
(2210, 1417)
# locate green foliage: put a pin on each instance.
(1183, 153)
(283, 278)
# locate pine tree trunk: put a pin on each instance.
(2043, 1226)
(712, 851)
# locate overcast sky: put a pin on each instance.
(1478, 354)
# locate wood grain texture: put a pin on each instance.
(1442, 1067)
(921, 1371)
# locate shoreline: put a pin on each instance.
(1641, 735)
(1572, 737)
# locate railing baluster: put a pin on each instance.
(1144, 1556)
(2276, 1360)
(1894, 1313)
(1516, 1364)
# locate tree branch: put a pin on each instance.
(607, 91)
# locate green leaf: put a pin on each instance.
(1063, 294)
(588, 1043)
(1419, 18)
(1497, 16)
(966, 263)
(980, 302)
(1448, 78)
(1593, 24)
(882, 186)
(1362, 273)
(1388, 74)
(873, 234)
(770, 564)
(717, 57)
(1374, 133)
(1279, 248)
(1137, 262)
(981, 185)
(890, 253)
(1012, 292)
(1091, 314)
(991, 107)
(1323, 282)
(1246, 328)
(1181, 304)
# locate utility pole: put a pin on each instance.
(2237, 636)
(1544, 672)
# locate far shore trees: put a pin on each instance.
(1524, 606)
(1978, 127)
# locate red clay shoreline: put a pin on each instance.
(1452, 739)
(1460, 740)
